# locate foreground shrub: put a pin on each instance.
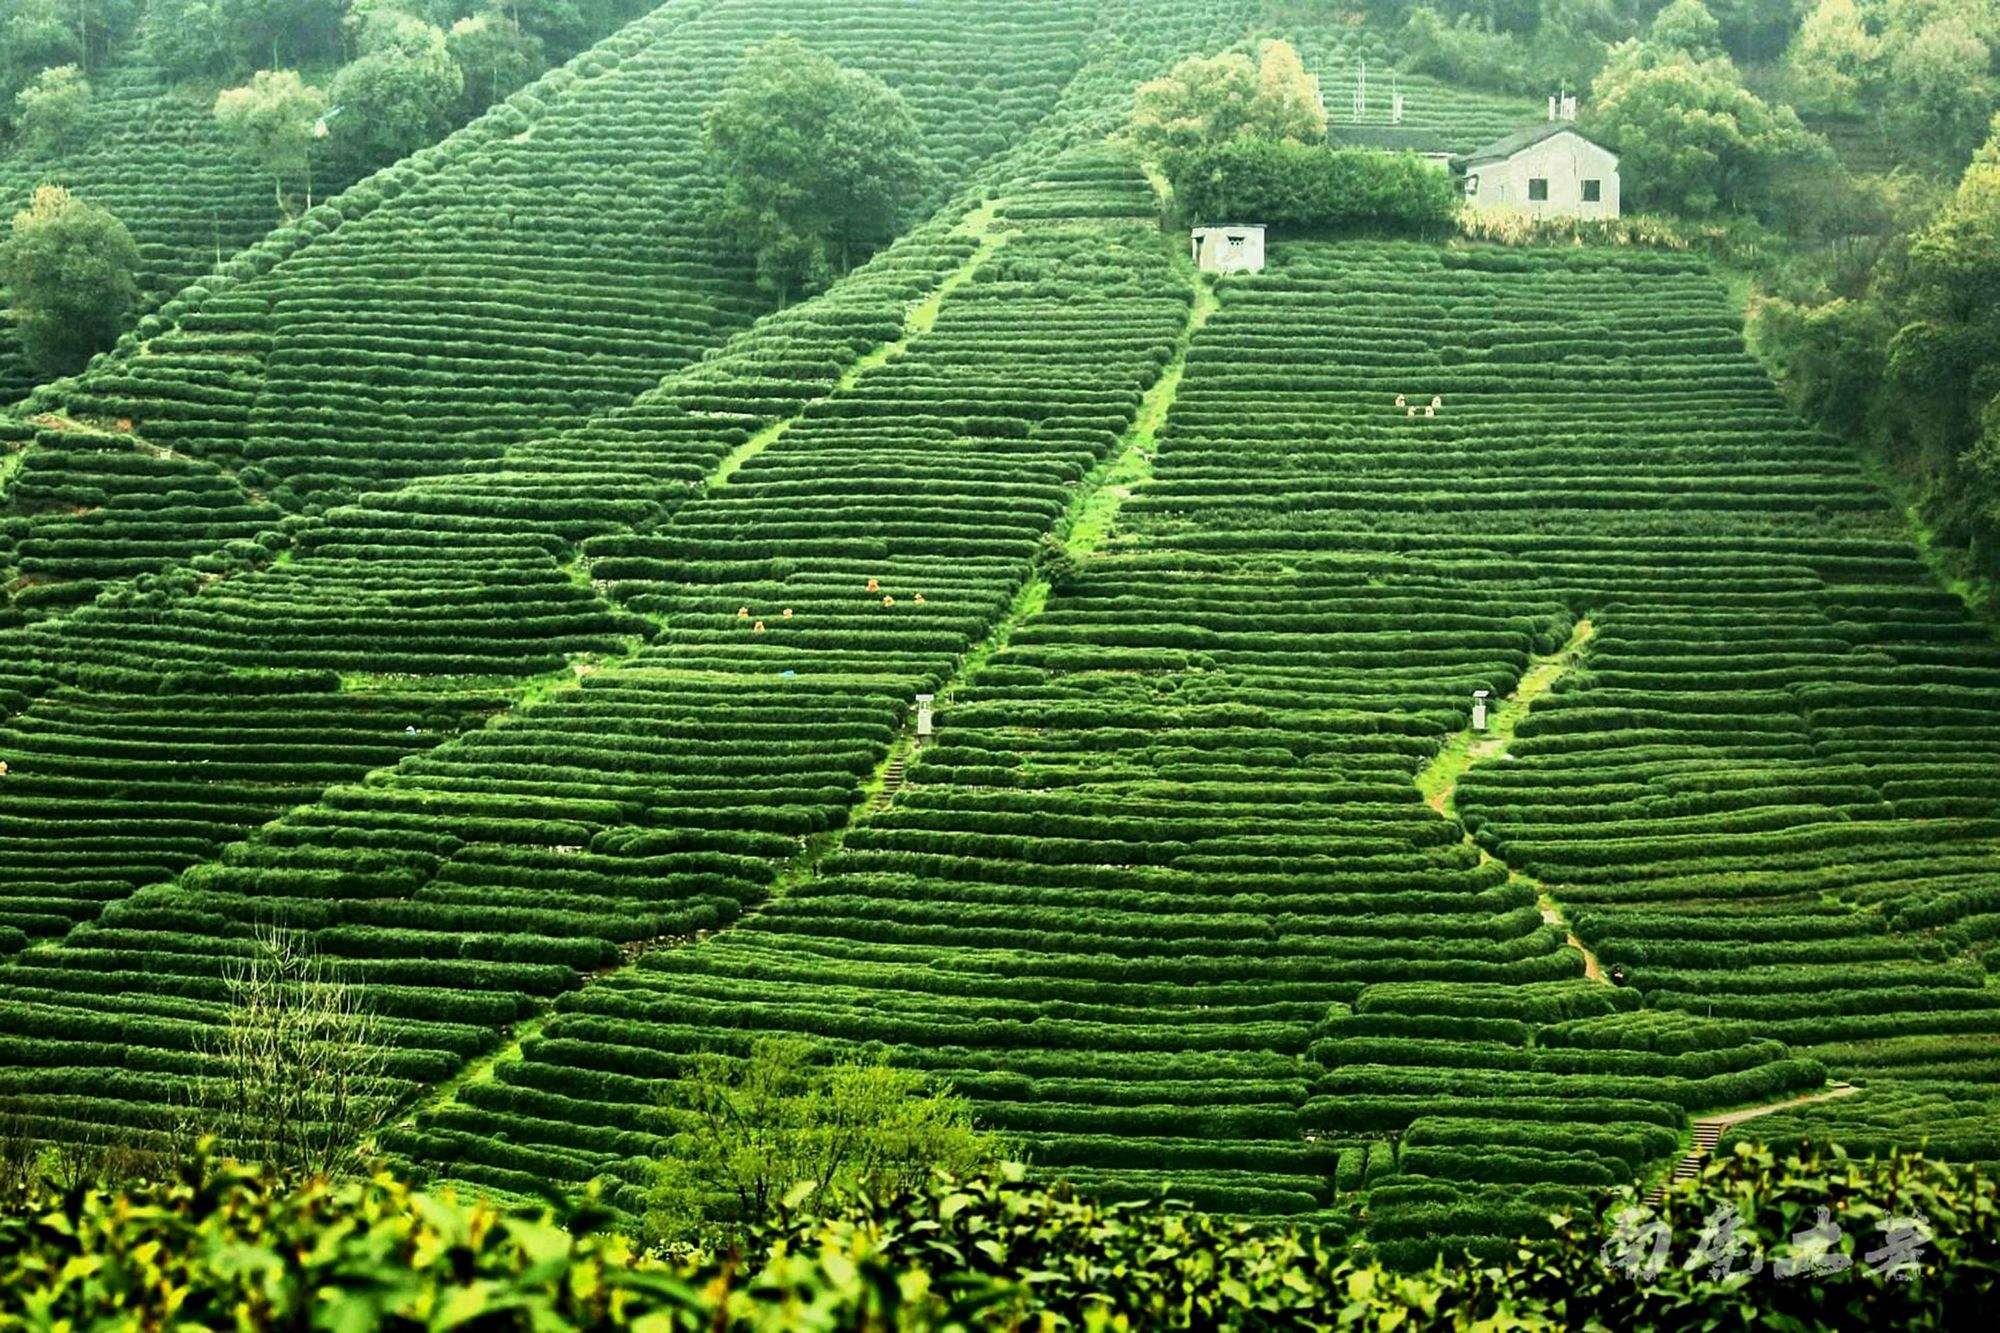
(777, 1131)
(220, 1246)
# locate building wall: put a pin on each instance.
(1565, 161)
(1214, 254)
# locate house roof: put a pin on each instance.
(1505, 147)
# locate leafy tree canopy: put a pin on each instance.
(398, 96)
(495, 53)
(1690, 137)
(813, 159)
(52, 108)
(1912, 363)
(1687, 26)
(270, 120)
(778, 1133)
(1209, 100)
(188, 37)
(1832, 58)
(69, 267)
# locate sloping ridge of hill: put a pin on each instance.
(581, 737)
(165, 491)
(549, 261)
(148, 149)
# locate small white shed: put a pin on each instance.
(1547, 171)
(1234, 249)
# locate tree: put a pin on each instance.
(296, 1055)
(1209, 100)
(39, 33)
(1944, 361)
(813, 159)
(270, 121)
(1941, 90)
(493, 53)
(1288, 104)
(186, 38)
(1692, 138)
(1687, 26)
(398, 96)
(1831, 60)
(1755, 30)
(69, 266)
(281, 32)
(52, 108)
(1912, 365)
(768, 1134)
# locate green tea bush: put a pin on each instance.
(1310, 188)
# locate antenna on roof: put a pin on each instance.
(1361, 93)
(1395, 102)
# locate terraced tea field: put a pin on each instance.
(487, 582)
(550, 262)
(1164, 896)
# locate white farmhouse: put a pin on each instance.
(1237, 249)
(1547, 171)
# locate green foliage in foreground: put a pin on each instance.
(219, 1246)
(778, 1132)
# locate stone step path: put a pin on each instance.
(892, 781)
(1709, 1129)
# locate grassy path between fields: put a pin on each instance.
(1129, 466)
(921, 319)
(1438, 780)
(1083, 527)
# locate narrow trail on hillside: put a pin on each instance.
(1084, 525)
(1090, 520)
(1709, 1129)
(921, 319)
(1438, 780)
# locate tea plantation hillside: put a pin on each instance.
(147, 147)
(1164, 895)
(483, 579)
(150, 153)
(464, 578)
(464, 582)
(552, 260)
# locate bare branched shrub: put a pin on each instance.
(31, 1163)
(298, 1060)
(17, 1161)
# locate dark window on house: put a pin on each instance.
(1538, 187)
(1592, 192)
